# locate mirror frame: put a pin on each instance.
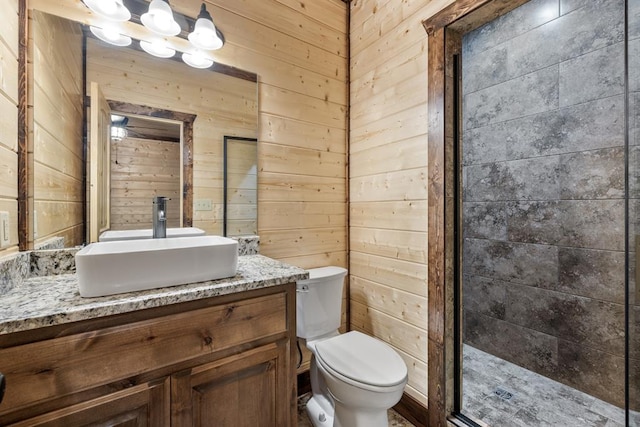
(25, 127)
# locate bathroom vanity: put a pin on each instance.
(218, 353)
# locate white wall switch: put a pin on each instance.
(203, 205)
(5, 230)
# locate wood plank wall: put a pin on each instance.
(242, 188)
(57, 128)
(9, 118)
(140, 169)
(388, 178)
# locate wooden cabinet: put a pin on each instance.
(224, 361)
(139, 406)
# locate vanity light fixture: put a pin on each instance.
(110, 35)
(113, 10)
(158, 48)
(159, 19)
(204, 34)
(196, 59)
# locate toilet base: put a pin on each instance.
(320, 411)
(348, 417)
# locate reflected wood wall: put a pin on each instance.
(143, 168)
(57, 139)
(9, 117)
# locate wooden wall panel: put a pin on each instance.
(388, 177)
(9, 119)
(140, 169)
(57, 128)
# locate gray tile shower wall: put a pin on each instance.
(543, 190)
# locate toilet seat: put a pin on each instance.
(362, 361)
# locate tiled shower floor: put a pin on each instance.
(537, 401)
(395, 420)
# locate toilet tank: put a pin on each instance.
(319, 302)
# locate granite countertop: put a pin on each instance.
(54, 300)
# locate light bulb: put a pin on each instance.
(113, 10)
(108, 7)
(196, 59)
(159, 19)
(204, 35)
(162, 19)
(111, 35)
(157, 48)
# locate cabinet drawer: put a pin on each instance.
(49, 369)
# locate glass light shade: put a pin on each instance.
(113, 10)
(118, 133)
(110, 35)
(196, 60)
(157, 48)
(159, 19)
(204, 35)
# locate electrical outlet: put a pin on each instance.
(5, 231)
(203, 205)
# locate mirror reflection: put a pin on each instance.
(219, 104)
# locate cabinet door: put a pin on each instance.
(142, 405)
(246, 390)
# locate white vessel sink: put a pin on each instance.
(106, 268)
(111, 235)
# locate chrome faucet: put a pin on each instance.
(160, 216)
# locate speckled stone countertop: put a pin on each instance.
(54, 300)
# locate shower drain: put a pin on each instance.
(503, 394)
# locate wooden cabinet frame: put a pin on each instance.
(65, 370)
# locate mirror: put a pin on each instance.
(64, 62)
(240, 186)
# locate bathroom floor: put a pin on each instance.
(395, 420)
(535, 401)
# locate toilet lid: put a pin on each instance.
(363, 359)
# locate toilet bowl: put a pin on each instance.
(355, 378)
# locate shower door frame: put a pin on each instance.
(445, 31)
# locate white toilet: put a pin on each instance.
(355, 378)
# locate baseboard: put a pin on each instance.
(412, 410)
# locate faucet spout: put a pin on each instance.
(160, 217)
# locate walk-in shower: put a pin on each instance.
(547, 161)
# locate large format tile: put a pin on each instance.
(527, 179)
(523, 263)
(482, 70)
(589, 126)
(595, 75)
(535, 179)
(525, 347)
(485, 220)
(596, 174)
(597, 224)
(591, 273)
(522, 19)
(530, 94)
(596, 372)
(598, 24)
(485, 296)
(487, 182)
(584, 321)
